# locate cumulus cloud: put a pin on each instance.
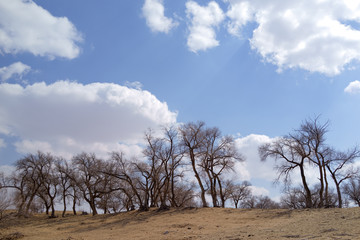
(68, 117)
(203, 19)
(311, 35)
(7, 170)
(353, 87)
(240, 13)
(15, 69)
(259, 191)
(253, 167)
(2, 143)
(153, 11)
(27, 27)
(137, 85)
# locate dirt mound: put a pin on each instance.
(194, 223)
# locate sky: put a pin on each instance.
(94, 75)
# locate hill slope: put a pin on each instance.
(205, 223)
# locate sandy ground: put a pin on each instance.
(203, 223)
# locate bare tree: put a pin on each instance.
(26, 180)
(327, 160)
(64, 173)
(152, 171)
(264, 202)
(125, 171)
(294, 198)
(306, 146)
(240, 192)
(185, 195)
(291, 153)
(89, 179)
(352, 190)
(49, 179)
(164, 157)
(220, 155)
(314, 133)
(249, 202)
(340, 168)
(210, 154)
(5, 201)
(192, 139)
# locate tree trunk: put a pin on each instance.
(203, 199)
(338, 190)
(306, 188)
(212, 188)
(74, 204)
(93, 207)
(21, 206)
(64, 201)
(52, 208)
(27, 209)
(236, 202)
(222, 197)
(321, 191)
(327, 203)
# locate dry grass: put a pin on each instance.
(206, 223)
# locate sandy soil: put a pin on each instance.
(205, 223)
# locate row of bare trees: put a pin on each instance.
(118, 183)
(305, 152)
(186, 166)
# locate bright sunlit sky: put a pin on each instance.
(94, 75)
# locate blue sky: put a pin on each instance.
(83, 75)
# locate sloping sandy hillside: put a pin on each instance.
(205, 223)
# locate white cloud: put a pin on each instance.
(253, 167)
(259, 191)
(203, 21)
(153, 11)
(67, 117)
(2, 143)
(15, 69)
(67, 147)
(7, 170)
(240, 13)
(27, 27)
(311, 35)
(353, 87)
(137, 85)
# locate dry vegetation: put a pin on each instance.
(191, 223)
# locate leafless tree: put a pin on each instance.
(210, 154)
(5, 201)
(315, 132)
(164, 157)
(327, 160)
(239, 192)
(192, 138)
(340, 167)
(152, 171)
(294, 198)
(49, 179)
(352, 190)
(249, 202)
(89, 179)
(185, 195)
(291, 153)
(74, 192)
(307, 146)
(220, 155)
(264, 202)
(64, 172)
(128, 182)
(26, 181)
